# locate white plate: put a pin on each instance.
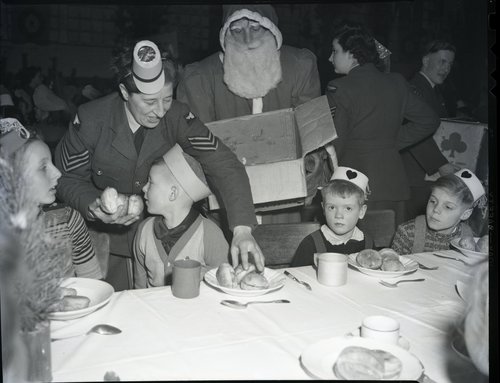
(275, 278)
(99, 293)
(468, 253)
(319, 358)
(409, 264)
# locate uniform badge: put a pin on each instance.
(76, 122)
(72, 161)
(189, 116)
(206, 143)
(331, 88)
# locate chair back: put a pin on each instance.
(380, 225)
(101, 248)
(278, 241)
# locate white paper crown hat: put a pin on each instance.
(472, 182)
(176, 161)
(351, 175)
(147, 67)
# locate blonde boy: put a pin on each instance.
(177, 231)
(452, 200)
(343, 205)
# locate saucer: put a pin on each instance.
(402, 342)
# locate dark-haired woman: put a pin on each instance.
(369, 107)
(113, 140)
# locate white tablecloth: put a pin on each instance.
(166, 338)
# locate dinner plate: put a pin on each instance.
(319, 358)
(99, 293)
(276, 281)
(468, 253)
(409, 264)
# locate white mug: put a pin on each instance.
(381, 328)
(332, 268)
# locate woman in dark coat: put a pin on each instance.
(369, 108)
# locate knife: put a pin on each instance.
(298, 280)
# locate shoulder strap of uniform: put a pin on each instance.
(319, 244)
(420, 230)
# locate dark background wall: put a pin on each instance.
(75, 41)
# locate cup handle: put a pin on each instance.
(315, 258)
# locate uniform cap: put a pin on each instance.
(352, 175)
(188, 173)
(472, 182)
(13, 135)
(147, 67)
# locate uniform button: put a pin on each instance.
(99, 172)
(137, 184)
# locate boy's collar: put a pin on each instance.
(334, 239)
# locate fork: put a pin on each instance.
(453, 258)
(395, 284)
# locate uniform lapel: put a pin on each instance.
(153, 141)
(123, 141)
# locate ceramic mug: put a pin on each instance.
(381, 328)
(186, 278)
(332, 268)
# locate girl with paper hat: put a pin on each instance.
(452, 200)
(344, 203)
(177, 231)
(29, 160)
(113, 140)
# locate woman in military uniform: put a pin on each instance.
(369, 108)
(113, 141)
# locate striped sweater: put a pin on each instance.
(434, 241)
(67, 223)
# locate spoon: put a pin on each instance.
(453, 258)
(241, 305)
(101, 329)
(424, 267)
(395, 284)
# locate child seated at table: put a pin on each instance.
(343, 205)
(452, 200)
(177, 231)
(31, 157)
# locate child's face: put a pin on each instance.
(445, 211)
(158, 190)
(341, 213)
(41, 172)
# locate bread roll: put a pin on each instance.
(391, 264)
(392, 364)
(135, 205)
(359, 363)
(254, 281)
(240, 272)
(388, 252)
(467, 243)
(482, 244)
(371, 259)
(111, 200)
(225, 275)
(74, 302)
(67, 291)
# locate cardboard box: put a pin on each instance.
(272, 146)
(464, 144)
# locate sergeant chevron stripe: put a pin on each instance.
(73, 161)
(209, 142)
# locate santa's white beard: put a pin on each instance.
(252, 73)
